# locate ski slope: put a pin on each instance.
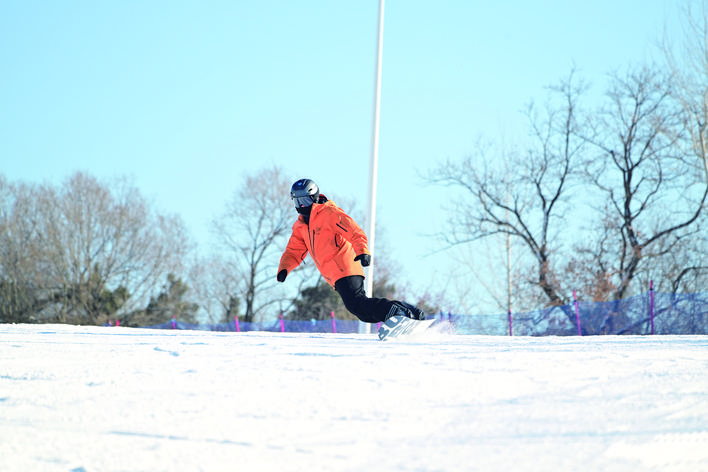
(87, 399)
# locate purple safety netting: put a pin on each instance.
(289, 326)
(672, 314)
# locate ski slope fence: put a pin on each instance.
(648, 313)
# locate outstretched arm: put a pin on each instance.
(295, 252)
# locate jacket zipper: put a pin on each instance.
(312, 244)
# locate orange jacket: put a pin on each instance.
(333, 240)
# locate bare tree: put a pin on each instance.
(652, 196)
(524, 198)
(94, 249)
(216, 288)
(688, 63)
(20, 274)
(683, 264)
(254, 230)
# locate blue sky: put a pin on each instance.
(188, 96)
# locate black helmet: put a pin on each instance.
(304, 193)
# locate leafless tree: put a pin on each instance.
(93, 249)
(216, 288)
(526, 197)
(653, 199)
(254, 230)
(683, 265)
(20, 273)
(688, 64)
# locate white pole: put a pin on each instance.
(373, 168)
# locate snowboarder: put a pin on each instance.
(339, 248)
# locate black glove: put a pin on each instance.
(365, 259)
(281, 275)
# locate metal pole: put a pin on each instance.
(373, 168)
(577, 314)
(508, 280)
(651, 309)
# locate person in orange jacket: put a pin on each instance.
(338, 246)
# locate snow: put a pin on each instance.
(87, 399)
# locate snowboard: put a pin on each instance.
(399, 325)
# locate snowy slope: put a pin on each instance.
(119, 399)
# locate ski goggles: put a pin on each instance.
(306, 201)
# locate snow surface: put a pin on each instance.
(120, 399)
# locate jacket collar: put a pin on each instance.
(316, 208)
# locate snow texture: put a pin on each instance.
(84, 399)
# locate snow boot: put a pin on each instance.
(405, 309)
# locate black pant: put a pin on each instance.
(371, 310)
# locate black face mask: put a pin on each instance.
(304, 211)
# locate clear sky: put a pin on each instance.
(187, 96)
